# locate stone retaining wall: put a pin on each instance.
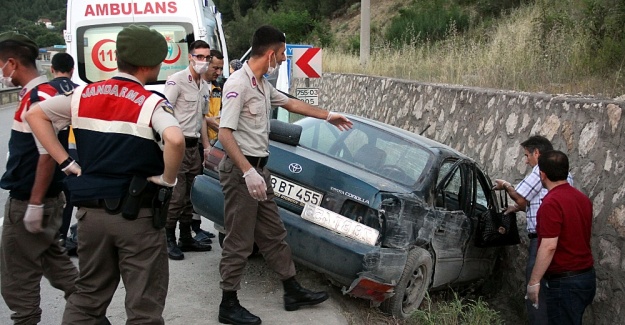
(489, 126)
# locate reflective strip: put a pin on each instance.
(119, 127)
(145, 116)
(76, 101)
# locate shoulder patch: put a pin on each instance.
(232, 94)
(168, 107)
(170, 82)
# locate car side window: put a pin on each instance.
(449, 196)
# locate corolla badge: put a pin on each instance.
(295, 168)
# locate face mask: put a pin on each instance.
(271, 69)
(7, 81)
(200, 67)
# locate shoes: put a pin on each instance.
(173, 251)
(231, 311)
(295, 296)
(203, 238)
(192, 245)
(195, 225)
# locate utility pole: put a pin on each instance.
(365, 31)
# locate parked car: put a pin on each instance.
(384, 213)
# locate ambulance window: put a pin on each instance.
(97, 54)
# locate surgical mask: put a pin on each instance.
(200, 67)
(7, 81)
(271, 69)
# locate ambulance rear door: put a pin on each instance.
(93, 26)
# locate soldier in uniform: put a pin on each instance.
(124, 180)
(251, 214)
(30, 248)
(188, 93)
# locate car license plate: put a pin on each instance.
(340, 224)
(294, 193)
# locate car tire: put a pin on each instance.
(221, 236)
(412, 286)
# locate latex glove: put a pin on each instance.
(158, 180)
(340, 121)
(255, 184)
(33, 218)
(72, 168)
(500, 184)
(532, 294)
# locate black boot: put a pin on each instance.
(295, 296)
(187, 243)
(231, 312)
(200, 234)
(173, 251)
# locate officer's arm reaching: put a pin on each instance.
(300, 107)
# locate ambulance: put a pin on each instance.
(92, 27)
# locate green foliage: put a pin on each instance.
(21, 16)
(456, 311)
(427, 20)
(296, 24)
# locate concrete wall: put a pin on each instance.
(9, 96)
(489, 125)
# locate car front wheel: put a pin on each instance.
(412, 285)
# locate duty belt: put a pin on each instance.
(100, 204)
(190, 142)
(259, 162)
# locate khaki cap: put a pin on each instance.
(141, 46)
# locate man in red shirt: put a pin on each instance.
(564, 256)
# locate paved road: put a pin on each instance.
(194, 294)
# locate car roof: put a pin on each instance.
(433, 146)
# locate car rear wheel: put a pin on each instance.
(412, 286)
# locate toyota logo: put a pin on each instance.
(295, 168)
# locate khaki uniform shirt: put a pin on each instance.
(190, 101)
(246, 107)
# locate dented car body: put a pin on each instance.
(422, 197)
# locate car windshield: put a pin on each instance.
(368, 147)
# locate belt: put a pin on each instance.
(259, 162)
(99, 204)
(532, 235)
(566, 274)
(190, 142)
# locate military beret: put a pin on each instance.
(22, 40)
(141, 46)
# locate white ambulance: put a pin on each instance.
(92, 27)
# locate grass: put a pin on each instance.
(506, 55)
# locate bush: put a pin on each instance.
(426, 21)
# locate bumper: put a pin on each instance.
(367, 271)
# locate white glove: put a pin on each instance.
(72, 168)
(34, 218)
(255, 184)
(158, 180)
(532, 294)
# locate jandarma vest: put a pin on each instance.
(23, 154)
(114, 138)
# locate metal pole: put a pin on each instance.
(365, 31)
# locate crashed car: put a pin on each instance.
(382, 212)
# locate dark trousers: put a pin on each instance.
(535, 316)
(180, 207)
(26, 257)
(248, 221)
(110, 246)
(568, 297)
